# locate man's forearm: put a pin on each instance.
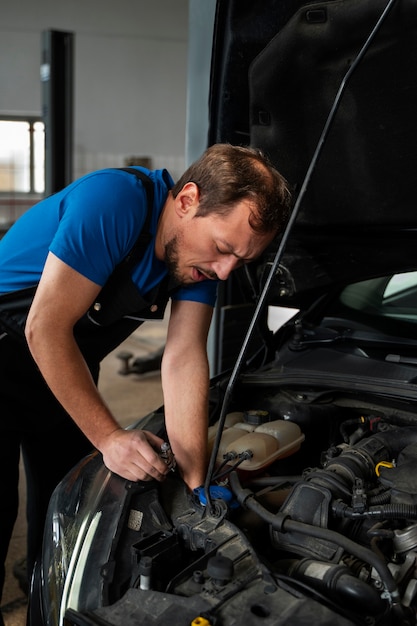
(67, 375)
(186, 412)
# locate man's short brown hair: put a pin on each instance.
(227, 174)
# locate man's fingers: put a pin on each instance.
(136, 456)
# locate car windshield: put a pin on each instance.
(393, 296)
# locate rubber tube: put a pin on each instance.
(284, 523)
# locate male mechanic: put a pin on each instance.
(222, 213)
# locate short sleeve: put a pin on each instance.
(99, 223)
(205, 292)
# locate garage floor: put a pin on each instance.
(130, 397)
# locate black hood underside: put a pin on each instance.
(280, 69)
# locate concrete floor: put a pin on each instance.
(129, 397)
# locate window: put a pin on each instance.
(22, 155)
(393, 296)
(401, 284)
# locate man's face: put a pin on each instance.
(213, 246)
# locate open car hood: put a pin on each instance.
(329, 91)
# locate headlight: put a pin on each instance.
(82, 518)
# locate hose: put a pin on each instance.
(283, 523)
(388, 511)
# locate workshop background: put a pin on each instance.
(130, 74)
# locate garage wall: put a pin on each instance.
(130, 75)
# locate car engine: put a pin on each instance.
(310, 517)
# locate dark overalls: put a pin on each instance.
(30, 412)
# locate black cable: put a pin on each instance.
(219, 475)
(283, 524)
(295, 585)
(230, 456)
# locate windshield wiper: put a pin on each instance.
(402, 360)
(319, 336)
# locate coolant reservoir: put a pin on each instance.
(230, 435)
(267, 443)
(230, 420)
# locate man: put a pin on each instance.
(223, 212)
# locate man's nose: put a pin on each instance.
(225, 266)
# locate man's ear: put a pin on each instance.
(187, 199)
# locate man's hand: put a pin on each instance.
(134, 455)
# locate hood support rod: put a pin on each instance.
(274, 267)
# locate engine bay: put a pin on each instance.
(311, 518)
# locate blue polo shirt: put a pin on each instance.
(91, 225)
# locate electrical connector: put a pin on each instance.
(168, 456)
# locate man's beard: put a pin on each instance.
(171, 259)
